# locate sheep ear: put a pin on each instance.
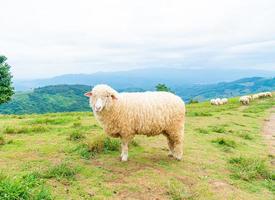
(88, 94)
(114, 97)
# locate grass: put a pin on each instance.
(68, 156)
(101, 144)
(27, 187)
(249, 169)
(76, 136)
(61, 171)
(177, 191)
(225, 142)
(2, 140)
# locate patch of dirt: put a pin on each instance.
(222, 188)
(269, 134)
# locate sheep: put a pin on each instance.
(245, 100)
(219, 101)
(125, 115)
(268, 94)
(255, 96)
(215, 102)
(224, 100)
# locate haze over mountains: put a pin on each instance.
(146, 78)
(66, 98)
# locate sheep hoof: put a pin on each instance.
(179, 158)
(124, 158)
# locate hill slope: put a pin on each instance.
(60, 98)
(65, 156)
(65, 98)
(227, 89)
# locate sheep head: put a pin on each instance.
(102, 98)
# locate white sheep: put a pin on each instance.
(125, 115)
(255, 96)
(219, 101)
(224, 101)
(245, 100)
(215, 102)
(268, 94)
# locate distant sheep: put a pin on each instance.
(245, 100)
(268, 94)
(219, 101)
(224, 100)
(125, 115)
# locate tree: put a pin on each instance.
(6, 89)
(163, 87)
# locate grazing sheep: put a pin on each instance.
(255, 96)
(268, 94)
(244, 100)
(213, 101)
(224, 100)
(219, 101)
(125, 115)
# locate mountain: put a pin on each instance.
(59, 98)
(227, 89)
(66, 98)
(145, 78)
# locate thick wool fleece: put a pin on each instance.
(149, 113)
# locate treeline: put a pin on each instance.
(59, 98)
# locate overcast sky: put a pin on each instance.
(53, 37)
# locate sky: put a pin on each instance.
(48, 38)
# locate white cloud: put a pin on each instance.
(46, 38)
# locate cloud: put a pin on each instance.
(46, 38)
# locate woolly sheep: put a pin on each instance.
(125, 115)
(215, 102)
(245, 100)
(219, 101)
(268, 94)
(224, 100)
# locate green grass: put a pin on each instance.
(76, 136)
(249, 169)
(28, 187)
(61, 171)
(68, 156)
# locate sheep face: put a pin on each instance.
(101, 98)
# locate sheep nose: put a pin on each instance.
(97, 108)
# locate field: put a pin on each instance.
(67, 156)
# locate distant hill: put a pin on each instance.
(145, 78)
(66, 98)
(227, 89)
(59, 98)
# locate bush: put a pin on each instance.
(249, 169)
(76, 135)
(193, 101)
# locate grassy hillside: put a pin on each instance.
(227, 89)
(69, 98)
(58, 98)
(67, 156)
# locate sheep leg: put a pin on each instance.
(178, 149)
(171, 147)
(124, 150)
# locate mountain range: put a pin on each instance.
(66, 98)
(146, 78)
